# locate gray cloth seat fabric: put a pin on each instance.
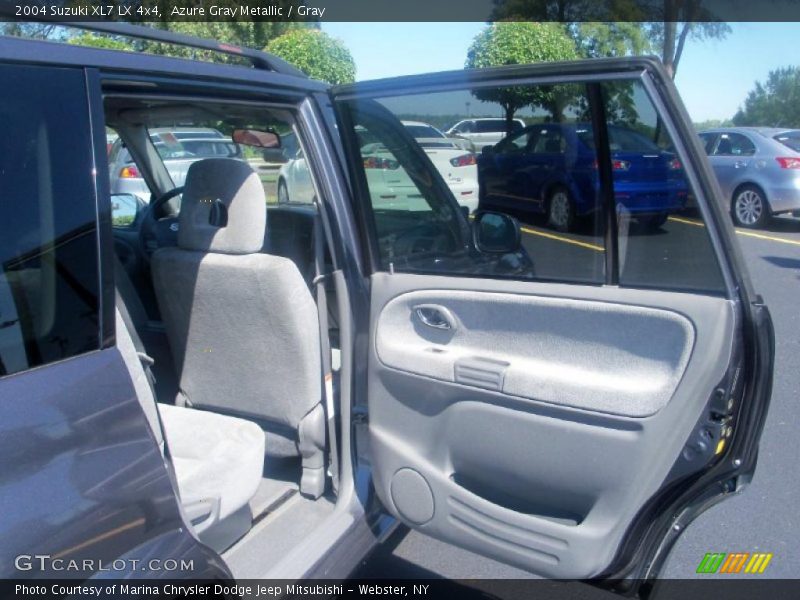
(218, 460)
(242, 325)
(214, 456)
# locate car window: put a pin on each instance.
(550, 177)
(549, 141)
(734, 144)
(708, 140)
(517, 142)
(490, 126)
(790, 139)
(49, 281)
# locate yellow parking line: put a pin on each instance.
(686, 221)
(771, 238)
(561, 238)
(745, 232)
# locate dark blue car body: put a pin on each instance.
(524, 169)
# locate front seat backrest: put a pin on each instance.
(242, 325)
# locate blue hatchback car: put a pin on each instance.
(552, 169)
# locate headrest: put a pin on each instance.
(223, 208)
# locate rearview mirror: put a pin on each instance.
(496, 233)
(256, 138)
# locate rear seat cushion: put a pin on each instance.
(214, 456)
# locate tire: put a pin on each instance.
(653, 222)
(560, 210)
(749, 208)
(283, 192)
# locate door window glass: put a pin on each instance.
(48, 250)
(549, 175)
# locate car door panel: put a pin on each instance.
(569, 429)
(547, 470)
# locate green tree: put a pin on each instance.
(34, 31)
(522, 43)
(317, 54)
(249, 34)
(775, 103)
(597, 40)
(98, 41)
(712, 124)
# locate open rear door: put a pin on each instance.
(567, 401)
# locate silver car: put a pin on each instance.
(758, 169)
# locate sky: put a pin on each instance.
(713, 78)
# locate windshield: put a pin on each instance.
(424, 131)
(790, 139)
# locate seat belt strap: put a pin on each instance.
(325, 345)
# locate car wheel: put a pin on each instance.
(750, 207)
(283, 192)
(653, 222)
(560, 210)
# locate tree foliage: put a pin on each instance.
(522, 43)
(775, 103)
(99, 41)
(597, 40)
(317, 54)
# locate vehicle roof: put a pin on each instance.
(491, 119)
(117, 64)
(184, 130)
(573, 125)
(419, 123)
(765, 131)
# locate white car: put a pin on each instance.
(396, 190)
(484, 131)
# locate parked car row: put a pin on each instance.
(551, 169)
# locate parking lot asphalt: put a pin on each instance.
(765, 517)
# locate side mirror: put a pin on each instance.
(487, 150)
(274, 155)
(496, 233)
(256, 138)
(124, 208)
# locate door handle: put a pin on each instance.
(435, 316)
(739, 164)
